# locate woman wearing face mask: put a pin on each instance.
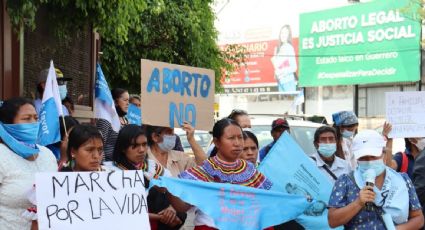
(225, 167)
(109, 136)
(130, 154)
(20, 159)
(346, 124)
(373, 196)
(331, 166)
(161, 141)
(85, 150)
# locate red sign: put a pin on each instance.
(259, 70)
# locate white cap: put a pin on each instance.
(368, 143)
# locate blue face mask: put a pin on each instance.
(63, 91)
(377, 165)
(347, 134)
(21, 138)
(327, 150)
(24, 132)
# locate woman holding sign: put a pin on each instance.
(130, 154)
(374, 196)
(20, 159)
(226, 166)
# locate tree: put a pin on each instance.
(180, 32)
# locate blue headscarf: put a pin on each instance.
(345, 118)
(21, 138)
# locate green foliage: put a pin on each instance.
(179, 32)
(111, 18)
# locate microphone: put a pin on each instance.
(369, 176)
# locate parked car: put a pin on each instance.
(203, 138)
(302, 130)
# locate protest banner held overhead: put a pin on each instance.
(235, 206)
(296, 173)
(92, 200)
(175, 94)
(373, 42)
(405, 112)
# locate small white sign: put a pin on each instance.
(406, 112)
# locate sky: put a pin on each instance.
(258, 20)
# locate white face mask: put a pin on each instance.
(168, 143)
(420, 144)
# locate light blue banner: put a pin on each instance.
(292, 171)
(49, 132)
(134, 115)
(236, 207)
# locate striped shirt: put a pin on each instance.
(109, 137)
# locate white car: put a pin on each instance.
(302, 131)
(202, 137)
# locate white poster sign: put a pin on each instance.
(91, 200)
(406, 112)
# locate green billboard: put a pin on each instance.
(365, 43)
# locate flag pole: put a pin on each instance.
(64, 126)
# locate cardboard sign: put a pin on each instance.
(173, 94)
(405, 111)
(91, 200)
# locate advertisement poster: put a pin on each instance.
(374, 42)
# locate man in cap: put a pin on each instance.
(41, 84)
(346, 124)
(279, 126)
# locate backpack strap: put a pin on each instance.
(328, 170)
(404, 162)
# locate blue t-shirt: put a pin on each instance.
(263, 151)
(345, 191)
(411, 162)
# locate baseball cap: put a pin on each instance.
(368, 143)
(345, 118)
(42, 77)
(280, 122)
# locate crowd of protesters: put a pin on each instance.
(346, 156)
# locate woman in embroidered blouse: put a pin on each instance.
(392, 201)
(226, 166)
(20, 160)
(85, 149)
(130, 154)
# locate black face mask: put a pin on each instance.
(120, 112)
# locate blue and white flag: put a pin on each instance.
(292, 171)
(104, 104)
(51, 109)
(235, 206)
(134, 115)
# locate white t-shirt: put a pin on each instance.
(338, 168)
(17, 176)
